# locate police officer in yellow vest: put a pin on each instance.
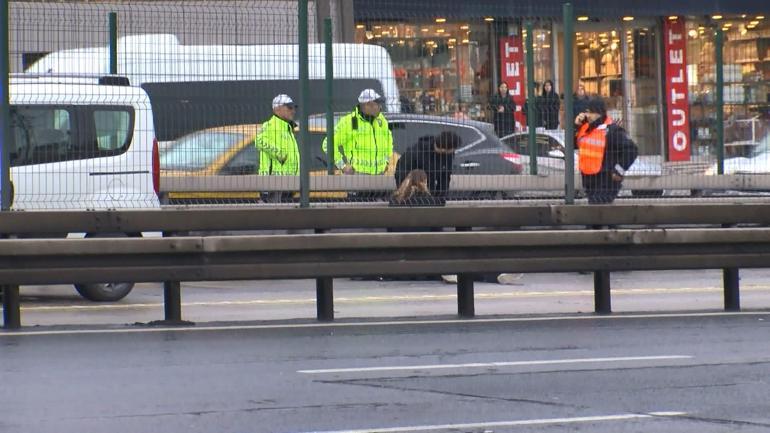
(605, 152)
(363, 143)
(276, 144)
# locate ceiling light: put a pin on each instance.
(693, 33)
(716, 17)
(424, 29)
(753, 23)
(673, 18)
(465, 41)
(464, 27)
(628, 18)
(761, 17)
(582, 18)
(440, 20)
(359, 26)
(728, 24)
(489, 19)
(439, 30)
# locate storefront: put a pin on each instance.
(662, 90)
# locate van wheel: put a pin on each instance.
(104, 292)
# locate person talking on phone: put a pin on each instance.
(605, 152)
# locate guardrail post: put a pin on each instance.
(731, 279)
(465, 302)
(172, 297)
(602, 299)
(324, 292)
(11, 307)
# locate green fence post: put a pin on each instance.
(329, 95)
(113, 43)
(569, 116)
(531, 139)
(5, 109)
(718, 46)
(304, 90)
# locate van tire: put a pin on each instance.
(104, 292)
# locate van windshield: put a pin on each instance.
(199, 150)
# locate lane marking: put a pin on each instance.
(528, 422)
(395, 323)
(495, 364)
(385, 299)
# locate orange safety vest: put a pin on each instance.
(591, 147)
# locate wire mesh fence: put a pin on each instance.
(188, 102)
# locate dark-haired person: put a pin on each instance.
(433, 155)
(605, 152)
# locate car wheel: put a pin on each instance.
(649, 193)
(104, 292)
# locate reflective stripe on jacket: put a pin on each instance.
(591, 147)
(277, 147)
(365, 146)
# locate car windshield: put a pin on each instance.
(198, 150)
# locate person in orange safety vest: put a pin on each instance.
(605, 152)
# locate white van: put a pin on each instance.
(82, 143)
(194, 87)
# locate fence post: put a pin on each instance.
(113, 43)
(718, 47)
(531, 126)
(569, 116)
(602, 296)
(731, 280)
(304, 90)
(5, 109)
(328, 40)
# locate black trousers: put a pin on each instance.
(600, 188)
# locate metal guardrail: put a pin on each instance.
(325, 256)
(264, 218)
(467, 183)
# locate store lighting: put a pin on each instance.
(452, 40)
(751, 27)
(489, 19)
(439, 30)
(673, 18)
(582, 18)
(614, 46)
(440, 20)
(693, 33)
(744, 31)
(547, 46)
(602, 35)
(359, 26)
(761, 17)
(743, 16)
(377, 27)
(728, 25)
(628, 18)
(753, 23)
(465, 41)
(464, 27)
(424, 29)
(716, 17)
(614, 33)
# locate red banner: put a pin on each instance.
(512, 73)
(678, 109)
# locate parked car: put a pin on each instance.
(550, 146)
(82, 142)
(230, 150)
(753, 159)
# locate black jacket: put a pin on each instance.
(419, 199)
(437, 166)
(503, 122)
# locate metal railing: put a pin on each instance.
(541, 247)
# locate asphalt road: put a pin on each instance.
(655, 373)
